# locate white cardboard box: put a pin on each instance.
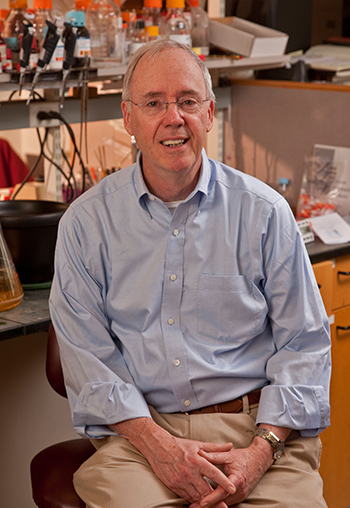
(246, 38)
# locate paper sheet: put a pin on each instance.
(331, 228)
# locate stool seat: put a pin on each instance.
(52, 472)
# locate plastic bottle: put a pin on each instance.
(174, 26)
(13, 28)
(199, 28)
(3, 15)
(105, 24)
(42, 12)
(56, 61)
(139, 36)
(152, 12)
(82, 51)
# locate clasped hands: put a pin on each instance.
(184, 465)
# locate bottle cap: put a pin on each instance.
(129, 16)
(18, 4)
(175, 4)
(82, 4)
(153, 31)
(4, 13)
(152, 3)
(42, 4)
(139, 24)
(76, 18)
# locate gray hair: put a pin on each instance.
(151, 49)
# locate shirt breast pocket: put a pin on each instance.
(229, 309)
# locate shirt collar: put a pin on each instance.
(202, 184)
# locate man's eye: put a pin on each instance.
(153, 104)
(189, 102)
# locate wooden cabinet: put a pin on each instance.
(324, 276)
(333, 278)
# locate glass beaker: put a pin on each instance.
(11, 291)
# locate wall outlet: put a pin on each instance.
(35, 107)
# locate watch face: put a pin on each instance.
(278, 451)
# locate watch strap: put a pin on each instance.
(275, 442)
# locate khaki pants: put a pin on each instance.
(118, 476)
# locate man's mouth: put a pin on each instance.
(174, 142)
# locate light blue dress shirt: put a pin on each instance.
(186, 310)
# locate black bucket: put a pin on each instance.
(30, 231)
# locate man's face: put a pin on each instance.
(172, 142)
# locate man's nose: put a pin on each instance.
(173, 113)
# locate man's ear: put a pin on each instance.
(210, 117)
(126, 117)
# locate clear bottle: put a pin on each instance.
(129, 17)
(105, 24)
(199, 28)
(152, 12)
(174, 26)
(13, 28)
(42, 13)
(139, 36)
(11, 291)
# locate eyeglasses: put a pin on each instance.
(157, 107)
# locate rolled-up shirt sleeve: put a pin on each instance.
(99, 386)
(297, 395)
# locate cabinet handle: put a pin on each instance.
(343, 328)
(319, 286)
(344, 273)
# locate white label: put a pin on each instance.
(82, 47)
(182, 38)
(56, 61)
(134, 46)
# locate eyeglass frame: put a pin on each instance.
(166, 104)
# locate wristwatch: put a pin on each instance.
(277, 444)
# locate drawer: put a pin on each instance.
(324, 277)
(341, 282)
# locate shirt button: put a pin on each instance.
(152, 198)
(171, 321)
(176, 232)
(187, 403)
(177, 362)
(173, 276)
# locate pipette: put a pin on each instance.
(27, 41)
(48, 48)
(69, 37)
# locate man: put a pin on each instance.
(189, 318)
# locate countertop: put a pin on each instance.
(318, 251)
(32, 314)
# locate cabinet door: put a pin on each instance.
(324, 276)
(341, 282)
(335, 459)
